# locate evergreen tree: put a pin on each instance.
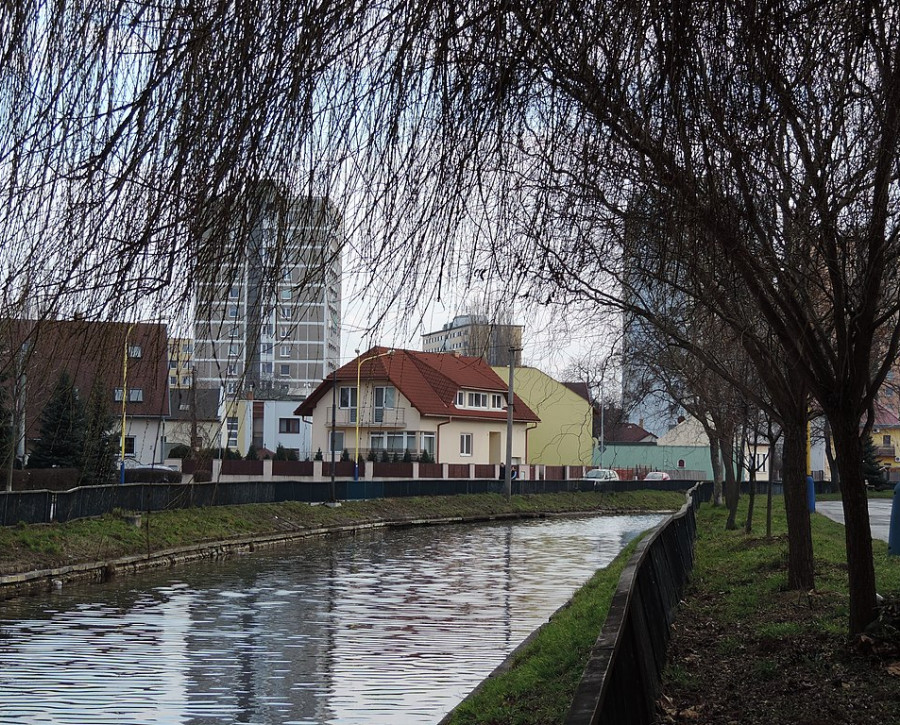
(62, 425)
(100, 450)
(251, 454)
(871, 468)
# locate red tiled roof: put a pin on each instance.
(92, 353)
(429, 380)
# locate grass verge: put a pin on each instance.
(33, 547)
(543, 676)
(777, 656)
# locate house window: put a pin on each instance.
(234, 293)
(336, 438)
(384, 398)
(681, 463)
(460, 399)
(288, 425)
(231, 370)
(265, 330)
(266, 348)
(348, 398)
(129, 446)
(266, 368)
(233, 350)
(134, 351)
(887, 440)
(285, 332)
(285, 313)
(465, 444)
(497, 401)
(286, 294)
(231, 387)
(135, 395)
(428, 443)
(376, 441)
(173, 365)
(232, 426)
(234, 332)
(396, 442)
(478, 400)
(284, 350)
(173, 380)
(232, 311)
(284, 370)
(186, 380)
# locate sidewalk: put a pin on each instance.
(879, 515)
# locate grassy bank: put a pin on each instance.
(778, 656)
(31, 547)
(543, 675)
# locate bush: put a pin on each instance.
(425, 457)
(180, 451)
(318, 456)
(345, 455)
(202, 476)
(152, 475)
(407, 456)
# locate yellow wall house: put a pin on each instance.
(451, 406)
(563, 436)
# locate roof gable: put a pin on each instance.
(428, 380)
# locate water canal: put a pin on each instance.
(392, 626)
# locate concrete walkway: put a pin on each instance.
(879, 514)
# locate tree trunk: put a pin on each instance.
(801, 574)
(716, 461)
(857, 532)
(751, 500)
(732, 490)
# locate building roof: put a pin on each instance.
(93, 354)
(581, 388)
(429, 380)
(207, 403)
(627, 433)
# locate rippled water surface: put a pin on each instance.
(391, 626)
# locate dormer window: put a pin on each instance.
(460, 399)
(478, 400)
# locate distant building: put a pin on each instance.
(476, 336)
(564, 435)
(267, 320)
(194, 418)
(181, 363)
(126, 364)
(449, 406)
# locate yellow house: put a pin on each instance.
(563, 436)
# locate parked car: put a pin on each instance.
(599, 475)
(657, 476)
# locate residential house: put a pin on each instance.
(125, 363)
(194, 418)
(451, 406)
(564, 435)
(886, 437)
(266, 425)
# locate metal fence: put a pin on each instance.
(621, 680)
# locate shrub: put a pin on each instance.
(180, 451)
(202, 476)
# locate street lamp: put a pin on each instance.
(359, 362)
(507, 479)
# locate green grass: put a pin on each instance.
(30, 547)
(541, 682)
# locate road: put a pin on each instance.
(879, 514)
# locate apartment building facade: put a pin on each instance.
(477, 336)
(267, 320)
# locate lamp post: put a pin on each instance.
(359, 362)
(507, 482)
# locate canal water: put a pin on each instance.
(389, 626)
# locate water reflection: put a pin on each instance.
(385, 627)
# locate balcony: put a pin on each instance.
(369, 417)
(885, 451)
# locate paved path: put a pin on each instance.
(879, 514)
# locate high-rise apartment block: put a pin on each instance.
(476, 336)
(267, 320)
